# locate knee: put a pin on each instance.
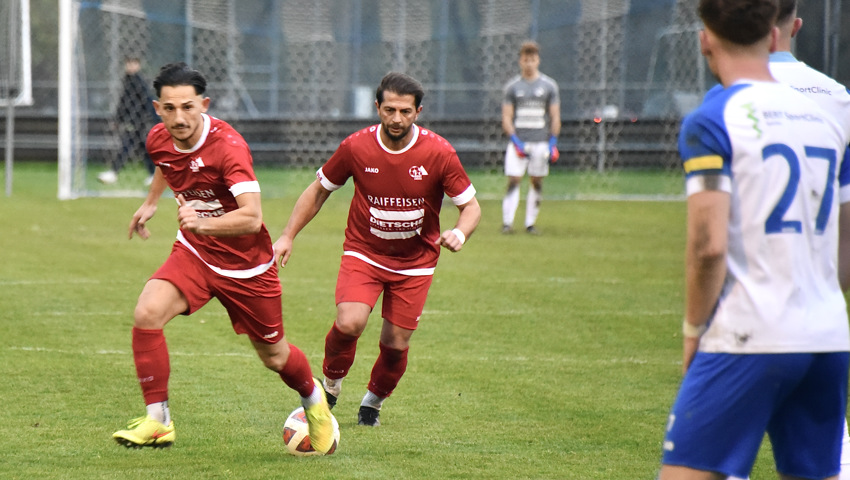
(275, 359)
(349, 326)
(148, 317)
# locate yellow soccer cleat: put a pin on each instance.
(146, 432)
(319, 423)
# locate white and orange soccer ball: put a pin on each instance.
(296, 434)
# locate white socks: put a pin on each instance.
(160, 412)
(333, 386)
(314, 398)
(509, 205)
(532, 206)
(372, 400)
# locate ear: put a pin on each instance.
(157, 106)
(704, 44)
(798, 24)
(205, 104)
(774, 38)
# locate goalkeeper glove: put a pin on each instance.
(554, 154)
(519, 145)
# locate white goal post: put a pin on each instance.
(15, 72)
(16, 64)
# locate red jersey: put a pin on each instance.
(394, 218)
(210, 176)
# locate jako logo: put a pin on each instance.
(371, 170)
(270, 335)
(417, 172)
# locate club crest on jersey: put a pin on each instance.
(196, 164)
(417, 172)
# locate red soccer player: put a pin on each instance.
(223, 250)
(392, 241)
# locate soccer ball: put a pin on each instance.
(296, 434)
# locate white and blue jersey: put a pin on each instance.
(784, 166)
(826, 92)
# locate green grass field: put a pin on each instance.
(550, 357)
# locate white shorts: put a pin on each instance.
(536, 162)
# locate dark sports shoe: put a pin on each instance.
(531, 230)
(507, 230)
(368, 416)
(331, 400)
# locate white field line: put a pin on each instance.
(519, 359)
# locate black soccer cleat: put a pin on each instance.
(331, 400)
(368, 416)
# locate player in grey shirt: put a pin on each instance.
(531, 117)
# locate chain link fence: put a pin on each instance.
(296, 76)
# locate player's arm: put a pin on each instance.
(844, 246)
(148, 208)
(554, 130)
(467, 222)
(508, 119)
(306, 208)
(844, 223)
(246, 219)
(508, 126)
(705, 261)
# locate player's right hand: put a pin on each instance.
(519, 145)
(140, 218)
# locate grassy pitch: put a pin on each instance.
(548, 357)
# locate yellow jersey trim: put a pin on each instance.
(707, 162)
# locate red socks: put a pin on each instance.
(152, 365)
(339, 353)
(296, 374)
(387, 372)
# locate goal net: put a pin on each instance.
(15, 55)
(296, 76)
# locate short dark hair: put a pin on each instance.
(787, 10)
(178, 73)
(529, 47)
(743, 22)
(400, 84)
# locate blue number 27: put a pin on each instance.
(775, 221)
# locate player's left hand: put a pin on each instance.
(282, 250)
(554, 154)
(187, 217)
(449, 240)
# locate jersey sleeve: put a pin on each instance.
(508, 94)
(336, 171)
(456, 183)
(555, 97)
(238, 171)
(705, 148)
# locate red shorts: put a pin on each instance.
(404, 295)
(253, 304)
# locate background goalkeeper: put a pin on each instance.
(531, 117)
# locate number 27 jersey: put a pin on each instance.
(781, 158)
